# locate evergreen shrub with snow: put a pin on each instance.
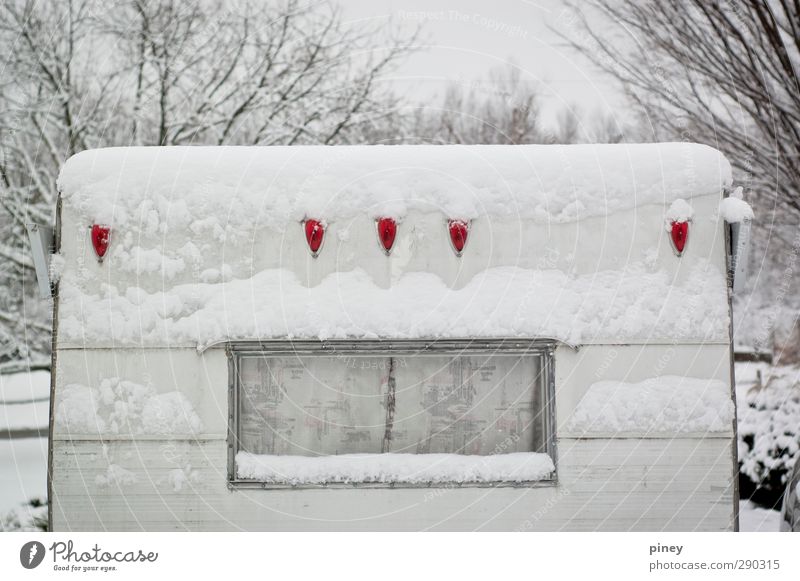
(30, 517)
(769, 435)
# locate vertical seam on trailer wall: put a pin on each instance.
(233, 412)
(735, 438)
(550, 430)
(53, 369)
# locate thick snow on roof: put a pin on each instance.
(630, 304)
(281, 185)
(206, 244)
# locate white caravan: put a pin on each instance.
(394, 338)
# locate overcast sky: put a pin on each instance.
(463, 39)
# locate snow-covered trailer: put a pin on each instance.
(393, 337)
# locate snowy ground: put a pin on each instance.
(23, 461)
(24, 400)
(23, 477)
(753, 519)
(24, 471)
(24, 408)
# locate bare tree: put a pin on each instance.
(501, 109)
(249, 73)
(79, 74)
(606, 128)
(48, 108)
(723, 73)
(568, 126)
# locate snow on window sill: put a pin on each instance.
(644, 435)
(394, 469)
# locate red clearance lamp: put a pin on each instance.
(459, 230)
(315, 235)
(679, 232)
(387, 231)
(100, 238)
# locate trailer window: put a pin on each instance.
(322, 400)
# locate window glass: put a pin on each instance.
(469, 405)
(312, 406)
(325, 405)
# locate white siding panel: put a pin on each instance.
(202, 378)
(577, 369)
(624, 484)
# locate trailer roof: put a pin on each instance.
(544, 183)
(207, 245)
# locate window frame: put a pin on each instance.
(543, 348)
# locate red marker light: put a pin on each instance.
(100, 239)
(459, 230)
(315, 233)
(679, 233)
(387, 231)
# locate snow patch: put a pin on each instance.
(734, 209)
(679, 211)
(34, 415)
(57, 262)
(24, 386)
(660, 404)
(115, 475)
(23, 471)
(617, 305)
(178, 478)
(140, 261)
(119, 406)
(398, 468)
(213, 275)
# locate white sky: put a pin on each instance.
(462, 40)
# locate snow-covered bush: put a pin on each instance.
(121, 406)
(32, 516)
(769, 434)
